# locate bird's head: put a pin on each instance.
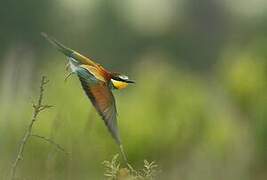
(120, 81)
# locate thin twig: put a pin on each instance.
(123, 154)
(37, 108)
(50, 141)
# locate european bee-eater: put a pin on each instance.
(97, 82)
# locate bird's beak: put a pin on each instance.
(130, 81)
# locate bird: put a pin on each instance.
(97, 83)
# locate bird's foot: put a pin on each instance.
(68, 75)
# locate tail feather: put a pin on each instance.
(65, 50)
(68, 52)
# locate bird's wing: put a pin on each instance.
(94, 71)
(102, 99)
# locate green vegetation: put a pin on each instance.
(186, 126)
(115, 172)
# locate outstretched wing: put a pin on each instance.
(102, 99)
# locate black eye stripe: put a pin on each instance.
(116, 78)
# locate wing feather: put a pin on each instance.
(104, 102)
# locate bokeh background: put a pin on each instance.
(199, 105)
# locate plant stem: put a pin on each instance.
(37, 108)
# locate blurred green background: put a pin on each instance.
(199, 105)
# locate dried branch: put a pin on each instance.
(50, 141)
(37, 108)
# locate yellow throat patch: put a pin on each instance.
(119, 84)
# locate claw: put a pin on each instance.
(66, 78)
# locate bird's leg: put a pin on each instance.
(67, 66)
